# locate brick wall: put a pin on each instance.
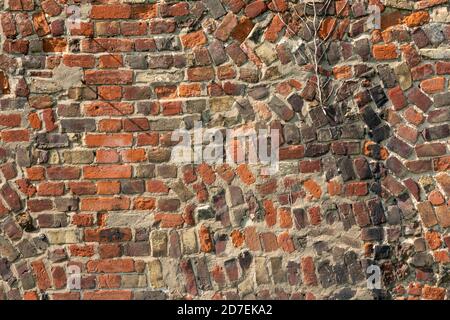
(86, 116)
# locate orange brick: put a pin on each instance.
(385, 51)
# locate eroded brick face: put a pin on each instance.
(87, 112)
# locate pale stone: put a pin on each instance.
(67, 77)
(165, 124)
(440, 14)
(399, 4)
(159, 243)
(261, 273)
(172, 276)
(44, 86)
(189, 240)
(181, 190)
(246, 286)
(54, 157)
(436, 54)
(116, 219)
(134, 281)
(221, 104)
(78, 156)
(267, 53)
(7, 250)
(152, 76)
(155, 274)
(403, 74)
(63, 236)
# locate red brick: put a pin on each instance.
(108, 295)
(443, 67)
(42, 276)
(417, 18)
(314, 216)
(342, 72)
(37, 205)
(397, 98)
(10, 120)
(21, 135)
(433, 85)
(35, 173)
(169, 220)
(109, 140)
(83, 220)
(433, 293)
(156, 186)
(99, 108)
(108, 76)
(421, 72)
(292, 152)
(59, 277)
(63, 173)
(245, 174)
(111, 11)
(8, 24)
(171, 108)
(133, 155)
(413, 116)
(135, 124)
(107, 156)
(54, 44)
(408, 133)
(356, 189)
(207, 173)
(138, 28)
(106, 45)
(107, 172)
(200, 73)
(109, 281)
(206, 243)
(274, 30)
(82, 187)
(442, 163)
(269, 241)
(51, 7)
(159, 26)
(384, 51)
(255, 8)
(50, 189)
(108, 187)
(313, 188)
(285, 242)
(108, 204)
(143, 11)
(193, 39)
(327, 27)
(189, 90)
(144, 203)
(308, 270)
(82, 250)
(110, 61)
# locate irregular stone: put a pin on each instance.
(387, 75)
(435, 54)
(215, 8)
(267, 53)
(281, 109)
(403, 75)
